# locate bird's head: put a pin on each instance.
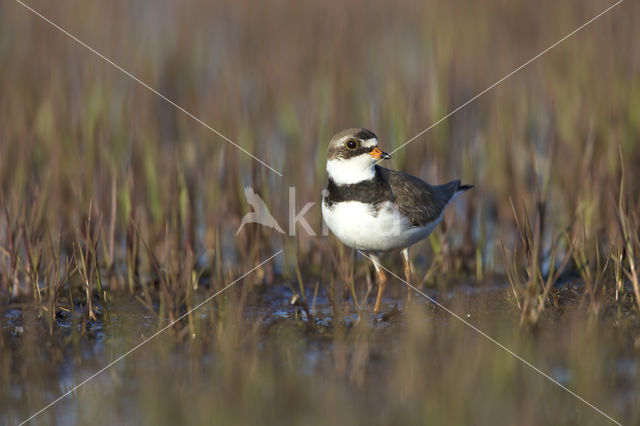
(352, 154)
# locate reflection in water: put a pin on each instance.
(419, 353)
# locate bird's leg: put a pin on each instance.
(382, 281)
(407, 271)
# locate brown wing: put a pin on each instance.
(420, 202)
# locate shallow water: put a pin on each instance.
(267, 350)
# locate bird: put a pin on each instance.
(373, 209)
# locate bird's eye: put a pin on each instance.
(352, 144)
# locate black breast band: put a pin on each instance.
(372, 191)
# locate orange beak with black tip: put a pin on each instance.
(379, 154)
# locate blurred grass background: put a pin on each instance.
(106, 189)
(281, 78)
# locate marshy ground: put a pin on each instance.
(119, 214)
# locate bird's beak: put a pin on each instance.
(379, 155)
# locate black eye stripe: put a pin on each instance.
(360, 150)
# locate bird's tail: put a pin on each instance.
(451, 190)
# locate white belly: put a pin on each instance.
(362, 227)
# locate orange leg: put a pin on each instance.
(407, 271)
(382, 282)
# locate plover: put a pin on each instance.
(374, 209)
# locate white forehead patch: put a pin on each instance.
(370, 142)
(367, 143)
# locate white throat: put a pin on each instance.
(352, 170)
